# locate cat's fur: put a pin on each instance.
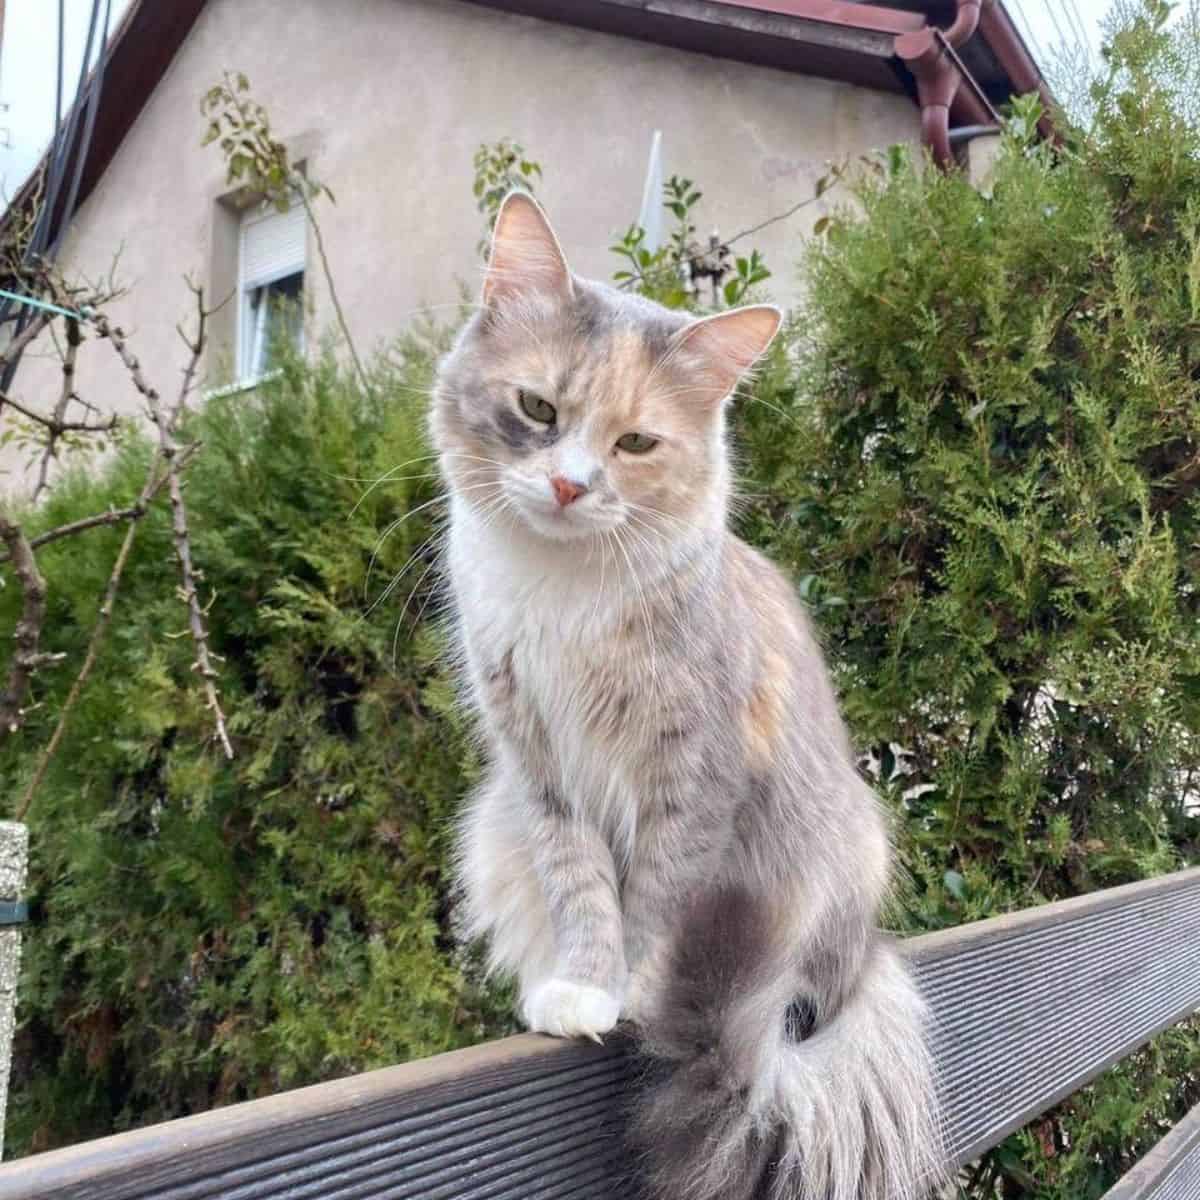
(671, 827)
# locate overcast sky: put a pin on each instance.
(28, 58)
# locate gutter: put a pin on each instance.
(810, 35)
(930, 55)
(945, 87)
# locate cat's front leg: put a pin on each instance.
(675, 852)
(574, 866)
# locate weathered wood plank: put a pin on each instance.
(1171, 1171)
(1028, 1007)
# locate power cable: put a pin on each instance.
(69, 146)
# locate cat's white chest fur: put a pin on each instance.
(548, 613)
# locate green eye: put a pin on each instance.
(535, 408)
(636, 443)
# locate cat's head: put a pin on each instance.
(574, 408)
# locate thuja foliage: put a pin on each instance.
(203, 932)
(980, 454)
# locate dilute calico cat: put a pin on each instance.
(670, 829)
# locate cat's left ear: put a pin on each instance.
(526, 258)
(725, 346)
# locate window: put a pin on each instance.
(270, 286)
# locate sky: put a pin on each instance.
(28, 69)
(29, 52)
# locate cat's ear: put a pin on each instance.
(526, 258)
(725, 346)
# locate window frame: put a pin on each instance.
(249, 372)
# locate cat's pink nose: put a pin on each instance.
(566, 491)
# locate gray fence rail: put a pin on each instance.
(1028, 1007)
(1171, 1171)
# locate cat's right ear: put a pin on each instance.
(526, 259)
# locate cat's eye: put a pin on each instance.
(535, 408)
(636, 443)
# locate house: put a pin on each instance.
(386, 100)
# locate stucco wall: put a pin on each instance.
(388, 100)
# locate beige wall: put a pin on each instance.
(388, 100)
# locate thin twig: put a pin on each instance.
(783, 216)
(13, 351)
(166, 422)
(153, 484)
(89, 661)
(116, 335)
(113, 516)
(47, 420)
(836, 172)
(28, 633)
(66, 392)
(337, 304)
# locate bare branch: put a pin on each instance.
(66, 392)
(48, 421)
(823, 185)
(337, 304)
(28, 633)
(113, 516)
(116, 335)
(166, 421)
(183, 547)
(89, 661)
(13, 351)
(154, 483)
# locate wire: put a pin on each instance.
(1073, 10)
(69, 146)
(1062, 37)
(93, 103)
(1029, 34)
(59, 76)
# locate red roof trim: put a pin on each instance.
(833, 38)
(838, 12)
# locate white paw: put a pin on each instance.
(564, 1009)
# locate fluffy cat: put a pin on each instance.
(671, 828)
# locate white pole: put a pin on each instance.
(650, 216)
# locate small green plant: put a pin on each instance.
(261, 164)
(500, 167)
(254, 157)
(675, 272)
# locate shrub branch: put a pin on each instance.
(26, 657)
(166, 420)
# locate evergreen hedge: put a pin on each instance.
(205, 932)
(977, 450)
(980, 455)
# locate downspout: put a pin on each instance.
(929, 54)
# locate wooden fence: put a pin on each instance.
(1028, 1008)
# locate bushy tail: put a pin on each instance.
(738, 1103)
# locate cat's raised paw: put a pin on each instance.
(565, 1009)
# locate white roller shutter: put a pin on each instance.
(272, 245)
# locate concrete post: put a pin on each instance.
(14, 853)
